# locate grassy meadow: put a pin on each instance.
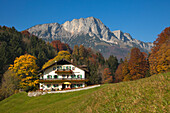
(145, 95)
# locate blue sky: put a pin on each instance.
(143, 19)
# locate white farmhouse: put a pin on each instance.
(62, 75)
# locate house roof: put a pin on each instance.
(62, 62)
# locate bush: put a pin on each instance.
(29, 88)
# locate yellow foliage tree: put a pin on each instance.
(25, 69)
(61, 55)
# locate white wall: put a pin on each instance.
(50, 71)
(44, 86)
(76, 71)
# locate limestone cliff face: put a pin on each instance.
(97, 32)
(91, 26)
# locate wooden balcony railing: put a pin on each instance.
(64, 71)
(63, 80)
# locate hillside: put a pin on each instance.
(14, 43)
(145, 95)
(90, 32)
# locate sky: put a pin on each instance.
(143, 19)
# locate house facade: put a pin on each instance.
(62, 75)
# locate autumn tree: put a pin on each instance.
(25, 69)
(9, 84)
(93, 60)
(75, 55)
(159, 58)
(82, 51)
(61, 55)
(118, 74)
(163, 56)
(76, 50)
(59, 46)
(137, 65)
(107, 77)
(126, 71)
(122, 72)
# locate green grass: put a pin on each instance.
(145, 95)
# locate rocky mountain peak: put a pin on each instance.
(89, 25)
(92, 32)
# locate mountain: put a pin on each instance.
(90, 32)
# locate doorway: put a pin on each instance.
(63, 86)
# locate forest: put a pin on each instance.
(23, 54)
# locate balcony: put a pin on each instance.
(64, 71)
(57, 80)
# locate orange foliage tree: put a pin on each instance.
(107, 78)
(122, 72)
(59, 46)
(159, 58)
(137, 65)
(118, 74)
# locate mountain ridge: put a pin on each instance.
(94, 28)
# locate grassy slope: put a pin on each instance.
(145, 95)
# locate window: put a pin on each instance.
(81, 85)
(58, 67)
(55, 85)
(74, 76)
(48, 85)
(70, 67)
(49, 76)
(73, 68)
(78, 85)
(80, 76)
(54, 68)
(63, 76)
(66, 67)
(55, 76)
(41, 77)
(67, 76)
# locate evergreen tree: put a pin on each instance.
(112, 63)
